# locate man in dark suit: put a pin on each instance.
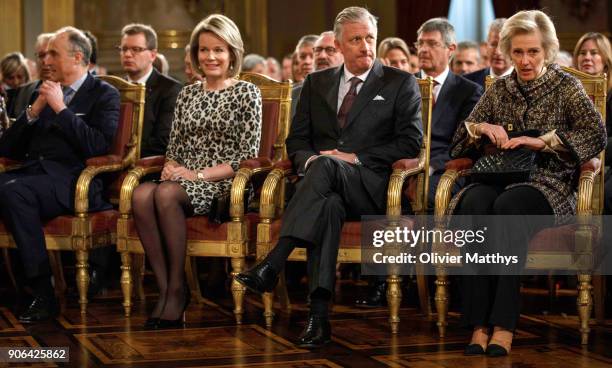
(352, 122)
(73, 117)
(499, 64)
(138, 50)
(454, 98)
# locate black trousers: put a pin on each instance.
(27, 198)
(330, 192)
(494, 300)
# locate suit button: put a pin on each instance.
(340, 142)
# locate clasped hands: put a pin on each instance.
(498, 136)
(344, 156)
(50, 93)
(173, 171)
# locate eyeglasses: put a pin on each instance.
(430, 43)
(135, 50)
(328, 50)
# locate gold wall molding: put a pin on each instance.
(11, 26)
(57, 14)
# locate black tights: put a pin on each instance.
(160, 212)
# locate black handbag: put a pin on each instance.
(506, 167)
(219, 208)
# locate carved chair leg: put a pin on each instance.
(441, 299)
(394, 299)
(126, 282)
(9, 267)
(268, 301)
(423, 289)
(585, 305)
(238, 289)
(191, 271)
(282, 293)
(82, 278)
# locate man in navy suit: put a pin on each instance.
(499, 64)
(351, 123)
(73, 117)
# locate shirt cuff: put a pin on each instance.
(30, 120)
(472, 129)
(554, 144)
(310, 159)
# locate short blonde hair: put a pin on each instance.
(14, 63)
(530, 21)
(603, 45)
(224, 28)
(392, 43)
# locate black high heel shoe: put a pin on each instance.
(165, 324)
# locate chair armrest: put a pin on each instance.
(151, 161)
(270, 191)
(144, 166)
(95, 166)
(454, 169)
(284, 165)
(7, 164)
(248, 170)
(588, 172)
(402, 169)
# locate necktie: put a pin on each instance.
(347, 102)
(434, 94)
(68, 93)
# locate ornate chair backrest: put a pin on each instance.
(126, 143)
(276, 107)
(596, 89)
(418, 195)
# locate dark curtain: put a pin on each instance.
(412, 13)
(506, 9)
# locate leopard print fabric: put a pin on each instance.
(211, 128)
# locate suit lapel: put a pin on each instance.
(372, 85)
(331, 96)
(152, 82)
(83, 93)
(443, 98)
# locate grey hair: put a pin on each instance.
(327, 33)
(78, 42)
(306, 41)
(530, 21)
(468, 45)
(441, 25)
(497, 24)
(353, 14)
(42, 38)
(251, 60)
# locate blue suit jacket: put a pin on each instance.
(478, 76)
(454, 104)
(59, 144)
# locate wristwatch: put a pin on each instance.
(356, 161)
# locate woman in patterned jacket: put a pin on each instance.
(217, 124)
(538, 95)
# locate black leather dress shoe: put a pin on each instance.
(474, 349)
(40, 310)
(316, 333)
(260, 279)
(377, 296)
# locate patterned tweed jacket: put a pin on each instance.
(555, 101)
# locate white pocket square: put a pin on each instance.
(378, 98)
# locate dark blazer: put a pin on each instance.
(22, 98)
(160, 100)
(296, 89)
(478, 76)
(454, 104)
(379, 131)
(61, 143)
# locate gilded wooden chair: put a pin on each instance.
(576, 248)
(233, 239)
(410, 176)
(83, 231)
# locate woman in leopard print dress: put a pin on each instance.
(217, 124)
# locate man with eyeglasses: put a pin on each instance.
(499, 65)
(138, 50)
(304, 53)
(325, 53)
(24, 93)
